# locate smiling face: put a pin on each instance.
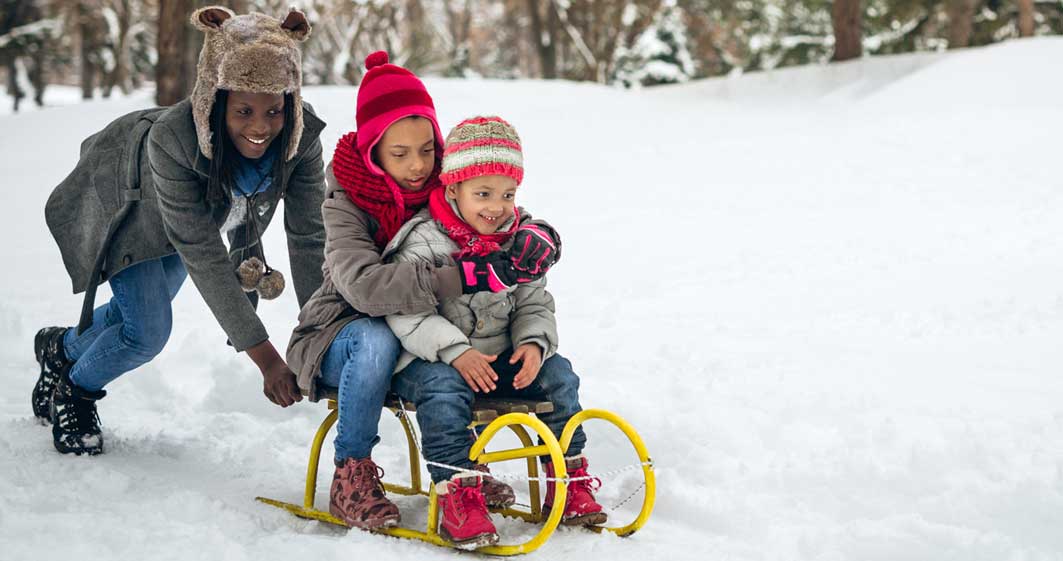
(253, 121)
(407, 152)
(485, 202)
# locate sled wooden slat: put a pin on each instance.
(484, 409)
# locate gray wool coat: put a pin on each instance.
(152, 159)
(358, 284)
(490, 322)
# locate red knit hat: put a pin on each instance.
(389, 93)
(482, 146)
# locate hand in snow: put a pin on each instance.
(532, 356)
(475, 368)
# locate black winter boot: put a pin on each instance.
(48, 348)
(75, 423)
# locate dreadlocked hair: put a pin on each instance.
(224, 155)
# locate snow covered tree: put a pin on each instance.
(26, 37)
(660, 54)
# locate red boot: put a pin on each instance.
(466, 522)
(496, 493)
(357, 496)
(580, 507)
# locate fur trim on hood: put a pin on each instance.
(248, 53)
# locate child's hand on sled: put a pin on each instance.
(532, 356)
(475, 368)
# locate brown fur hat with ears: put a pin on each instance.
(248, 53)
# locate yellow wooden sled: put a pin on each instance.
(518, 416)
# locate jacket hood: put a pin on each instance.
(248, 53)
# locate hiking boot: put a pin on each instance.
(75, 423)
(580, 507)
(466, 522)
(496, 493)
(357, 496)
(48, 348)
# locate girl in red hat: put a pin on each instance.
(380, 176)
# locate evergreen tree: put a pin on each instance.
(660, 55)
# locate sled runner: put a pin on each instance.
(496, 414)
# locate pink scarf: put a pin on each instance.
(469, 240)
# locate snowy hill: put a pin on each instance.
(830, 299)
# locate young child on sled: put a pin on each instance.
(500, 343)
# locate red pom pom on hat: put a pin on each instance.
(376, 59)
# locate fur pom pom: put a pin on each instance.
(376, 59)
(250, 273)
(271, 285)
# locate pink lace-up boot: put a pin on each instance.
(466, 522)
(357, 496)
(580, 507)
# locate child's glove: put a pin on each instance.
(493, 272)
(535, 250)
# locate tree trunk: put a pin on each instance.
(1026, 21)
(847, 17)
(86, 44)
(544, 37)
(122, 59)
(961, 22)
(12, 82)
(171, 77)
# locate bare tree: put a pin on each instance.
(1026, 21)
(171, 75)
(544, 30)
(961, 22)
(847, 18)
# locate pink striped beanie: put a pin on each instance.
(482, 146)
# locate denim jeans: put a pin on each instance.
(444, 405)
(359, 364)
(129, 330)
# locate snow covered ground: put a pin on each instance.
(830, 298)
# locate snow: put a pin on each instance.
(830, 299)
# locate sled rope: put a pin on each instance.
(514, 476)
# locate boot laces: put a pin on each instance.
(367, 475)
(78, 415)
(586, 485)
(467, 500)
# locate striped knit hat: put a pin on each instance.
(482, 146)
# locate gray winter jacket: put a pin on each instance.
(490, 322)
(358, 284)
(148, 165)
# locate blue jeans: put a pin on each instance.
(129, 330)
(359, 364)
(444, 405)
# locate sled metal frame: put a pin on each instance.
(516, 422)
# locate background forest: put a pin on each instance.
(103, 45)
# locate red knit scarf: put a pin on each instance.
(380, 196)
(469, 240)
